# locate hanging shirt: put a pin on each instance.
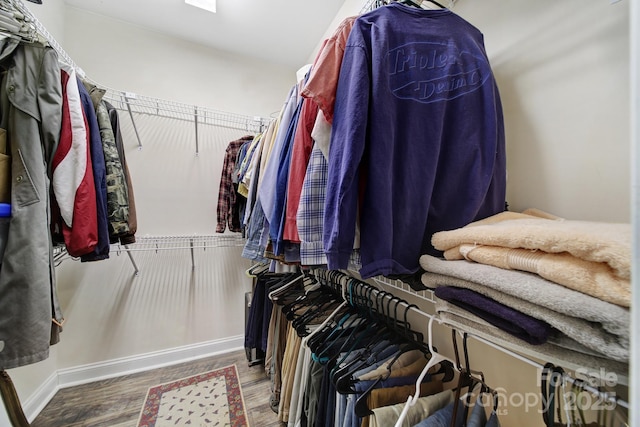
(227, 211)
(310, 210)
(323, 78)
(267, 186)
(277, 219)
(246, 162)
(252, 176)
(418, 125)
(300, 153)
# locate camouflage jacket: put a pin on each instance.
(117, 193)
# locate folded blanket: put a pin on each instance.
(596, 324)
(556, 337)
(582, 245)
(520, 325)
(592, 278)
(458, 318)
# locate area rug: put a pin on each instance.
(209, 399)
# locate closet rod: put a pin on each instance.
(603, 394)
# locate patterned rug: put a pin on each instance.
(210, 399)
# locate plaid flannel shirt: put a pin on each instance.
(228, 210)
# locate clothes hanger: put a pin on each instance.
(418, 3)
(361, 315)
(300, 324)
(337, 312)
(435, 358)
(410, 341)
(549, 380)
(361, 406)
(360, 338)
(321, 334)
(301, 297)
(373, 352)
(325, 341)
(292, 279)
(466, 380)
(344, 380)
(257, 269)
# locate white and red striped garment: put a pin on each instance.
(72, 181)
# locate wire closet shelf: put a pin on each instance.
(140, 104)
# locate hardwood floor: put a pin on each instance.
(117, 402)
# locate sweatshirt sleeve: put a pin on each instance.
(347, 146)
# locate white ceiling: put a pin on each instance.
(285, 32)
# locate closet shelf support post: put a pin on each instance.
(193, 261)
(133, 261)
(135, 128)
(195, 119)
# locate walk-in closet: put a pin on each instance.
(324, 213)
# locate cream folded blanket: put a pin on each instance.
(591, 257)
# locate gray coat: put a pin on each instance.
(30, 110)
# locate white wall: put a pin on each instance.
(563, 73)
(51, 15)
(130, 58)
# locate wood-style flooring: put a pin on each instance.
(116, 402)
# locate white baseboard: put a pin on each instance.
(69, 377)
(39, 399)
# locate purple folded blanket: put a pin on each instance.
(520, 325)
